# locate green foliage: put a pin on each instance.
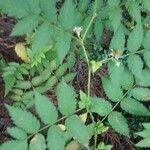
(141, 94)
(45, 109)
(63, 45)
(135, 38)
(146, 4)
(9, 83)
(42, 37)
(145, 134)
(48, 9)
(119, 123)
(67, 15)
(127, 80)
(37, 142)
(139, 109)
(17, 133)
(98, 29)
(134, 10)
(55, 138)
(26, 25)
(54, 35)
(75, 124)
(115, 73)
(20, 79)
(66, 98)
(114, 93)
(114, 14)
(14, 145)
(147, 58)
(118, 40)
(100, 106)
(23, 119)
(13, 9)
(144, 80)
(146, 39)
(102, 146)
(135, 64)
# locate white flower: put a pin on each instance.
(117, 63)
(77, 30)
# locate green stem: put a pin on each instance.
(137, 52)
(58, 121)
(91, 21)
(89, 25)
(89, 88)
(123, 56)
(89, 69)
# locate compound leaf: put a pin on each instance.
(145, 133)
(146, 125)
